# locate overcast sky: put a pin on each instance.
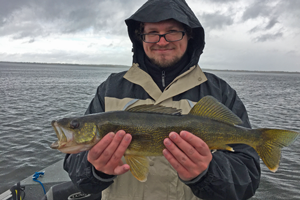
(240, 34)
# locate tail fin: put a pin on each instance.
(269, 149)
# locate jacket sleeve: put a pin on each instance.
(230, 175)
(82, 172)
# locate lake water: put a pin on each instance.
(32, 95)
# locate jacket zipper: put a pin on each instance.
(163, 75)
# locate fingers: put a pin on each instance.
(97, 150)
(114, 152)
(110, 152)
(121, 169)
(196, 142)
(175, 163)
(187, 153)
(176, 156)
(106, 155)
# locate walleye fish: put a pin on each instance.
(149, 125)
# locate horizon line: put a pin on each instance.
(117, 65)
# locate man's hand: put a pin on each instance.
(187, 153)
(106, 155)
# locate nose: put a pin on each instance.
(162, 41)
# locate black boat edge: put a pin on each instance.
(53, 181)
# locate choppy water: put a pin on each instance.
(32, 95)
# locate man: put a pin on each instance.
(167, 43)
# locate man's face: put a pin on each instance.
(163, 53)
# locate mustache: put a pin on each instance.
(158, 47)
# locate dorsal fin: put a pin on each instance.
(209, 107)
(155, 109)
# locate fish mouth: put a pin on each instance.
(55, 126)
(64, 136)
(60, 132)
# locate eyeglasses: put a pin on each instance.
(169, 37)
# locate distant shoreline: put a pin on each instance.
(249, 71)
(70, 64)
(126, 66)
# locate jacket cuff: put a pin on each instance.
(102, 176)
(195, 180)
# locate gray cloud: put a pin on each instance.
(273, 16)
(33, 18)
(268, 37)
(291, 6)
(216, 20)
(216, 1)
(271, 23)
(222, 1)
(265, 26)
(258, 9)
(273, 10)
(7, 7)
(31, 40)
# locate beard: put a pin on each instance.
(165, 62)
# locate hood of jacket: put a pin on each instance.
(160, 10)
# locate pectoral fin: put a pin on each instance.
(139, 166)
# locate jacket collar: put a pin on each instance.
(184, 82)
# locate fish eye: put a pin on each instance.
(74, 124)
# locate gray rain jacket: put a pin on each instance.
(231, 175)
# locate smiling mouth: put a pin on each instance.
(161, 49)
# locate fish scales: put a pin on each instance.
(158, 127)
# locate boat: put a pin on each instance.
(51, 183)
